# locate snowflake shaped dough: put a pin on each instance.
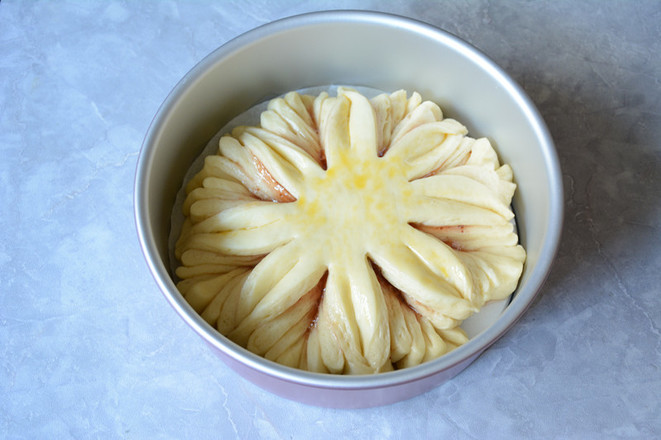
(348, 235)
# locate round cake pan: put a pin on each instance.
(361, 49)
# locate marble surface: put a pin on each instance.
(90, 349)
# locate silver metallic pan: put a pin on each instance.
(359, 49)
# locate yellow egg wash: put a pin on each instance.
(363, 200)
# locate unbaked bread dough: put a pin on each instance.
(348, 235)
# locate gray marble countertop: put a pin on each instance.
(90, 349)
